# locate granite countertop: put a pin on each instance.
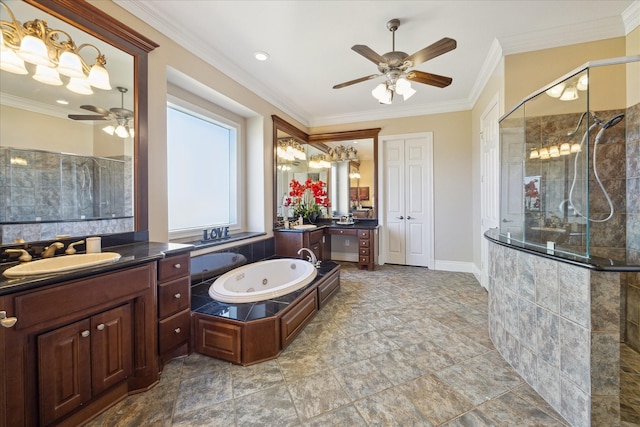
(358, 225)
(132, 254)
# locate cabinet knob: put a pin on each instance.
(177, 296)
(177, 330)
(85, 333)
(100, 327)
(176, 266)
(5, 321)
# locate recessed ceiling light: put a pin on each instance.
(62, 101)
(261, 56)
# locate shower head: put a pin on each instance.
(612, 121)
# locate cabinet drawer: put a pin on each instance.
(328, 288)
(296, 319)
(343, 232)
(174, 330)
(174, 267)
(364, 243)
(315, 236)
(363, 234)
(363, 260)
(173, 297)
(364, 251)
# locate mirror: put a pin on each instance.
(350, 171)
(65, 176)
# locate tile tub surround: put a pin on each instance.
(558, 325)
(396, 346)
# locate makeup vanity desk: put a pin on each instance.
(288, 242)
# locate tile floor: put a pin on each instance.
(400, 346)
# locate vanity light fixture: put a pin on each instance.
(534, 154)
(53, 52)
(290, 149)
(568, 91)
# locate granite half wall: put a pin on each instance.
(558, 325)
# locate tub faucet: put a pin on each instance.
(311, 258)
(50, 250)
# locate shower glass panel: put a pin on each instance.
(563, 163)
(40, 186)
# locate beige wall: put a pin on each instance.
(633, 70)
(527, 72)
(452, 175)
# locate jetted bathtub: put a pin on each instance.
(263, 280)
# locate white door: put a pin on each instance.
(490, 181)
(408, 190)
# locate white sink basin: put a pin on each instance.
(61, 264)
(304, 227)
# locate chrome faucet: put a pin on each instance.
(311, 258)
(50, 250)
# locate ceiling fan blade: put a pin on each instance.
(429, 79)
(352, 82)
(86, 117)
(436, 49)
(368, 53)
(95, 109)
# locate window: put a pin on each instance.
(202, 170)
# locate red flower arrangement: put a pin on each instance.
(307, 198)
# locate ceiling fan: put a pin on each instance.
(121, 115)
(395, 65)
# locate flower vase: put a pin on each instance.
(311, 217)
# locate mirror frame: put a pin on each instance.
(97, 23)
(320, 138)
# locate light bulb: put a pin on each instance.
(570, 94)
(69, 65)
(121, 131)
(576, 148)
(34, 51)
(379, 91)
(10, 62)
(583, 82)
(544, 153)
(534, 154)
(109, 129)
(554, 151)
(99, 77)
(47, 75)
(565, 149)
(80, 86)
(556, 91)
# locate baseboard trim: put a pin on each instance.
(457, 266)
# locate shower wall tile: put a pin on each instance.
(610, 234)
(605, 364)
(546, 282)
(575, 354)
(605, 301)
(526, 276)
(548, 336)
(573, 289)
(575, 404)
(526, 324)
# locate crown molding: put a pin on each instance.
(600, 29)
(491, 61)
(395, 112)
(37, 107)
(631, 17)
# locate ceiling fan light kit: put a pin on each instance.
(122, 116)
(395, 67)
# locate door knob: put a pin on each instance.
(409, 217)
(400, 217)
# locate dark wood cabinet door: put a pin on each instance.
(64, 362)
(111, 347)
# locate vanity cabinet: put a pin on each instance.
(81, 360)
(174, 307)
(367, 244)
(78, 347)
(288, 243)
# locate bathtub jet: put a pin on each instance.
(263, 280)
